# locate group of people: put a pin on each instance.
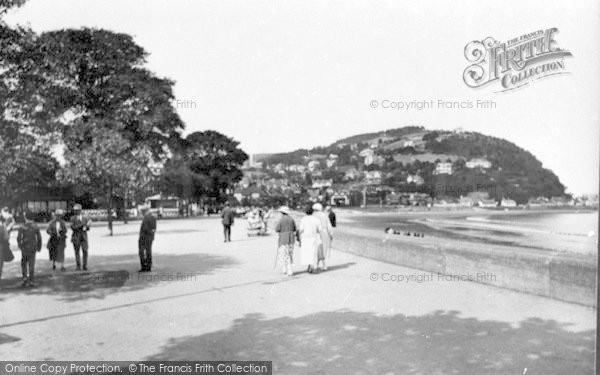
(255, 217)
(29, 240)
(314, 235)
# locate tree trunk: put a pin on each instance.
(110, 219)
(125, 212)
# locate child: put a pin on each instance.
(29, 240)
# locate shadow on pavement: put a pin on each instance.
(159, 231)
(110, 274)
(346, 342)
(305, 271)
(4, 339)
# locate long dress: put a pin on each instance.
(57, 230)
(310, 228)
(326, 235)
(286, 227)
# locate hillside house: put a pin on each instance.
(313, 165)
(297, 168)
(366, 152)
(375, 159)
(332, 160)
(560, 202)
(508, 203)
(443, 168)
(373, 178)
(351, 174)
(279, 168)
(254, 192)
(320, 184)
(427, 157)
(487, 203)
(416, 179)
(538, 202)
(478, 163)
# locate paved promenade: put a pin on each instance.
(208, 300)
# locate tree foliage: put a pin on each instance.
(206, 165)
(87, 91)
(27, 161)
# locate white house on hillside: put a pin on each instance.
(319, 184)
(366, 152)
(479, 163)
(416, 179)
(443, 168)
(313, 165)
(373, 177)
(508, 203)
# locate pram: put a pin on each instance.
(256, 226)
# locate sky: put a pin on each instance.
(283, 75)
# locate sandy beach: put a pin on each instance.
(569, 231)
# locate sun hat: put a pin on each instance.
(284, 210)
(317, 207)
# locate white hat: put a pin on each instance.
(144, 207)
(317, 207)
(284, 210)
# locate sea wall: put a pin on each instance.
(565, 277)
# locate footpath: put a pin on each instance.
(209, 300)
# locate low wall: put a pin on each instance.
(570, 278)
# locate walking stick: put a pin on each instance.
(276, 256)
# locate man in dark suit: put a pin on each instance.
(228, 216)
(80, 226)
(331, 216)
(30, 242)
(147, 230)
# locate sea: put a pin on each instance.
(565, 231)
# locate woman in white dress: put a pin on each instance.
(326, 234)
(310, 240)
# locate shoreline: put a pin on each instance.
(484, 227)
(353, 211)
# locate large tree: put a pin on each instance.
(108, 165)
(27, 161)
(207, 164)
(88, 91)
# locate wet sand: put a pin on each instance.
(481, 226)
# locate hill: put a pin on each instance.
(441, 163)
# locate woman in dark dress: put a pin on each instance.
(57, 230)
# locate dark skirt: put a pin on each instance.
(56, 248)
